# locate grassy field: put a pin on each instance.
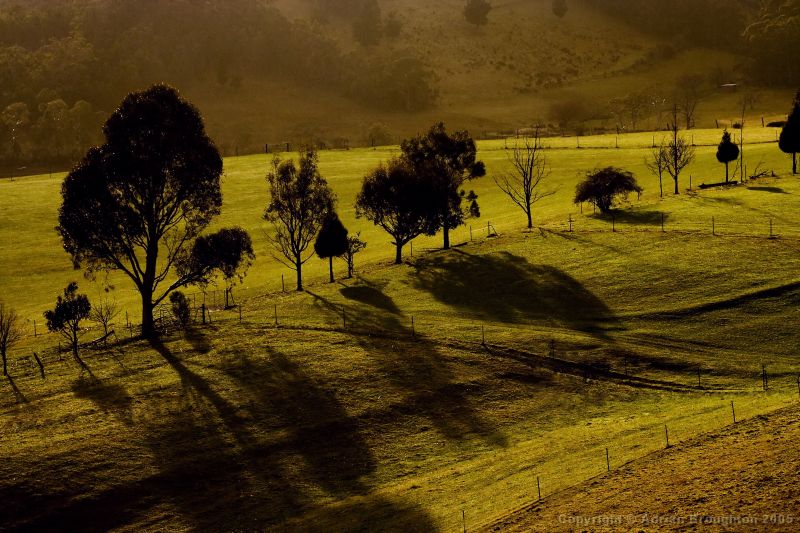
(374, 405)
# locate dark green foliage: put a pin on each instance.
(790, 135)
(602, 187)
(332, 240)
(300, 199)
(445, 161)
(398, 199)
(727, 151)
(181, 309)
(139, 201)
(560, 8)
(477, 12)
(70, 310)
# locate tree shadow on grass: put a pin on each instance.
(416, 367)
(633, 217)
(506, 288)
(370, 295)
(775, 190)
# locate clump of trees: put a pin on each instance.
(727, 151)
(602, 187)
(789, 141)
(139, 203)
(300, 200)
(71, 309)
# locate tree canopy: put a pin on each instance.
(602, 187)
(332, 240)
(70, 310)
(789, 141)
(139, 202)
(727, 151)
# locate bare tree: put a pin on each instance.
(679, 153)
(688, 96)
(523, 183)
(10, 332)
(657, 164)
(104, 312)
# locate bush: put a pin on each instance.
(181, 309)
(602, 187)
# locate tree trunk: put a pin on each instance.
(446, 236)
(794, 162)
(148, 325)
(398, 258)
(530, 218)
(298, 265)
(75, 349)
(661, 184)
(726, 172)
(676, 185)
(5, 366)
(330, 265)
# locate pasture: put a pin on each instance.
(402, 397)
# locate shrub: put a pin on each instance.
(181, 309)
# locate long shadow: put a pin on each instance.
(775, 190)
(633, 217)
(506, 288)
(417, 368)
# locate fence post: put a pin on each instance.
(276, 315)
(283, 284)
(699, 385)
(470, 233)
(34, 328)
(464, 520)
(713, 226)
(39, 362)
(662, 223)
(539, 488)
(240, 313)
(608, 461)
(764, 379)
(413, 330)
(203, 312)
(771, 235)
(570, 223)
(666, 433)
(733, 410)
(483, 336)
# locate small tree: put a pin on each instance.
(332, 240)
(477, 12)
(446, 162)
(71, 309)
(301, 199)
(10, 332)
(398, 200)
(529, 169)
(678, 153)
(354, 245)
(790, 135)
(657, 164)
(602, 187)
(727, 152)
(180, 309)
(104, 312)
(560, 8)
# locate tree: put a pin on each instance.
(138, 203)
(367, 28)
(678, 153)
(529, 169)
(10, 332)
(632, 107)
(560, 8)
(16, 117)
(300, 201)
(688, 96)
(727, 152)
(446, 162)
(790, 135)
(602, 187)
(657, 164)
(399, 200)
(104, 312)
(354, 245)
(181, 310)
(332, 240)
(477, 12)
(71, 309)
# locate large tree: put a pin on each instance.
(790, 135)
(332, 240)
(602, 187)
(446, 161)
(300, 201)
(71, 309)
(398, 200)
(10, 332)
(138, 203)
(727, 151)
(523, 184)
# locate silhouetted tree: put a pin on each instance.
(602, 187)
(367, 27)
(332, 240)
(71, 309)
(300, 201)
(477, 12)
(138, 202)
(790, 135)
(446, 162)
(10, 332)
(396, 198)
(228, 252)
(529, 169)
(727, 151)
(678, 152)
(657, 164)
(354, 245)
(181, 310)
(560, 8)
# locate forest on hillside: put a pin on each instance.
(65, 64)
